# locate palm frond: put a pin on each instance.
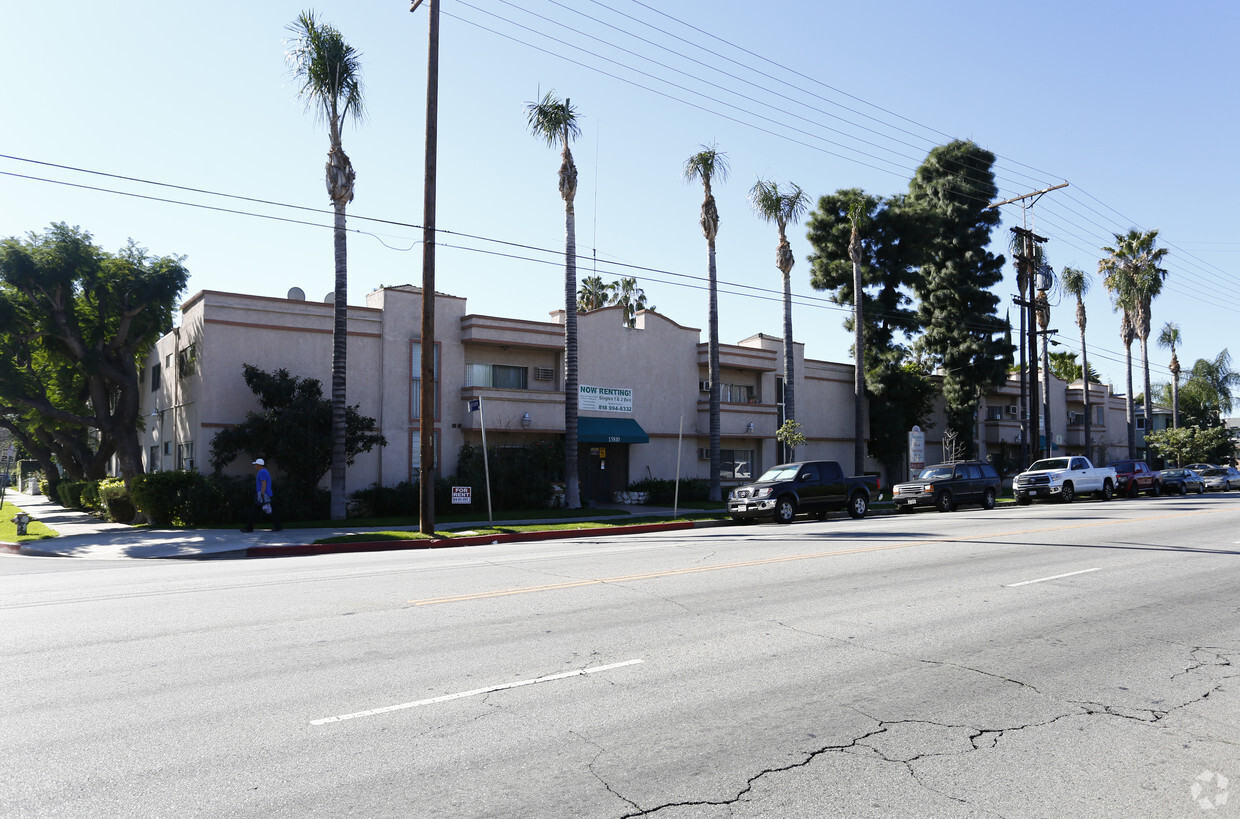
(708, 164)
(552, 120)
(328, 69)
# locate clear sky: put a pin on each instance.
(1133, 103)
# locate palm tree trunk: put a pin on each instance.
(716, 491)
(1175, 400)
(340, 328)
(572, 494)
(1149, 398)
(1130, 414)
(858, 373)
(790, 407)
(1089, 452)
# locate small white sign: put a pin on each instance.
(916, 451)
(604, 399)
(462, 494)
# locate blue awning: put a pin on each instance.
(610, 431)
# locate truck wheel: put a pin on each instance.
(988, 499)
(785, 510)
(1132, 489)
(944, 502)
(858, 505)
(1108, 491)
(1068, 494)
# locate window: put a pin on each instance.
(415, 411)
(153, 459)
(185, 455)
(501, 376)
(737, 393)
(1140, 422)
(187, 360)
(735, 464)
(1101, 416)
(994, 413)
(154, 377)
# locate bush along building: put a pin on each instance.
(644, 394)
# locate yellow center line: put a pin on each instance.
(769, 561)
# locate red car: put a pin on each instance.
(1133, 477)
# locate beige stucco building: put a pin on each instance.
(649, 415)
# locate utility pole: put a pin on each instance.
(1027, 264)
(426, 413)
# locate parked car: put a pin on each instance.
(1181, 481)
(816, 487)
(1063, 479)
(1220, 478)
(1198, 467)
(1134, 477)
(946, 486)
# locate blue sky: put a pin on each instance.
(1134, 104)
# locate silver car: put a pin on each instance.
(1220, 478)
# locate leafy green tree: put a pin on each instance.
(330, 73)
(963, 331)
(1065, 367)
(1194, 444)
(782, 207)
(711, 164)
(75, 322)
(625, 293)
(555, 123)
(887, 257)
(1168, 338)
(1207, 395)
(293, 430)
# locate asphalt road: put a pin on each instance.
(1043, 661)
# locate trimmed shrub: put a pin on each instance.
(69, 494)
(401, 500)
(662, 492)
(90, 496)
(520, 476)
(115, 501)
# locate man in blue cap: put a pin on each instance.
(262, 498)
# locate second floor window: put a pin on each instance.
(502, 376)
(737, 393)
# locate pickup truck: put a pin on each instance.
(1064, 479)
(1134, 477)
(814, 487)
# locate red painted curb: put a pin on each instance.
(10, 548)
(291, 550)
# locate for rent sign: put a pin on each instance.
(604, 399)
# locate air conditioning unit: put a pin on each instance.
(1012, 409)
(544, 374)
(704, 386)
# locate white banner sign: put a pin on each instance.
(604, 399)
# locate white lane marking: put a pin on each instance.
(581, 672)
(1044, 579)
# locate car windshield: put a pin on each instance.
(935, 473)
(783, 472)
(1049, 463)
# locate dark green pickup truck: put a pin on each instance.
(811, 487)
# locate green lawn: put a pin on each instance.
(8, 529)
(410, 534)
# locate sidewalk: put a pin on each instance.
(82, 535)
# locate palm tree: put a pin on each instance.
(1075, 283)
(1134, 278)
(707, 164)
(330, 73)
(592, 295)
(555, 122)
(855, 213)
(782, 207)
(1169, 338)
(625, 293)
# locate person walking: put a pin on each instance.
(263, 498)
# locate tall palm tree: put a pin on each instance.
(329, 71)
(707, 164)
(782, 207)
(855, 213)
(555, 123)
(1134, 278)
(625, 293)
(1169, 338)
(1075, 283)
(592, 295)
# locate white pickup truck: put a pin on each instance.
(1063, 479)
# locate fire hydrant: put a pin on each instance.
(22, 520)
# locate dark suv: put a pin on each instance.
(945, 486)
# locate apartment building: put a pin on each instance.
(644, 405)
